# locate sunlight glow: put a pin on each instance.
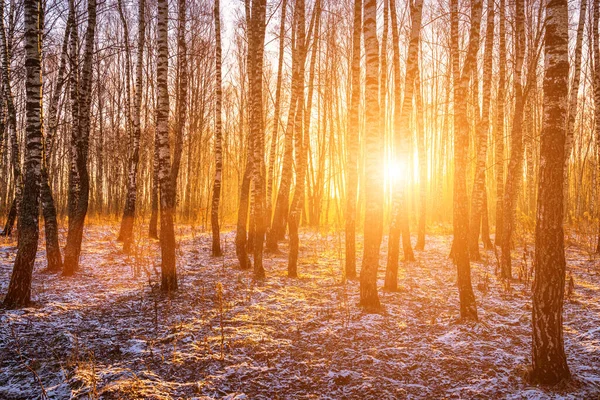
(398, 172)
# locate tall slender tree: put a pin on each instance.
(282, 206)
(549, 362)
(352, 142)
(74, 99)
(468, 307)
(181, 99)
(574, 91)
(515, 164)
(423, 173)
(314, 31)
(373, 230)
(167, 209)
(499, 125)
(11, 125)
(19, 290)
(483, 126)
(299, 147)
(596, 82)
(383, 67)
(402, 134)
(81, 96)
(455, 64)
(257, 130)
(276, 111)
(53, 254)
(241, 249)
(154, 197)
(127, 222)
(241, 236)
(127, 67)
(302, 136)
(214, 214)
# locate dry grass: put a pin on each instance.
(109, 333)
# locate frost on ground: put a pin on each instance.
(108, 332)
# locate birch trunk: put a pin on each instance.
(167, 232)
(455, 62)
(515, 164)
(19, 290)
(80, 132)
(11, 124)
(352, 145)
(241, 236)
(549, 363)
(499, 126)
(53, 253)
(373, 230)
(302, 136)
(596, 82)
(241, 249)
(468, 307)
(154, 206)
(181, 106)
(573, 95)
(276, 111)
(257, 131)
(422, 166)
(482, 129)
(127, 222)
(216, 197)
(402, 134)
(280, 217)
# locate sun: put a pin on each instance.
(397, 171)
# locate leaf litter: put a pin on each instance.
(109, 333)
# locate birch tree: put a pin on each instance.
(402, 113)
(468, 307)
(167, 231)
(574, 91)
(276, 111)
(127, 222)
(241, 237)
(79, 184)
(282, 206)
(53, 253)
(479, 186)
(214, 216)
(549, 363)
(302, 136)
(499, 125)
(373, 229)
(299, 149)
(181, 99)
(257, 130)
(596, 85)
(11, 123)
(19, 290)
(515, 164)
(421, 129)
(352, 143)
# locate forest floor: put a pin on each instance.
(108, 333)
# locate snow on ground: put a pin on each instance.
(107, 332)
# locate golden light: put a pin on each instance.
(397, 171)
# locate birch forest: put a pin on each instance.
(299, 199)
